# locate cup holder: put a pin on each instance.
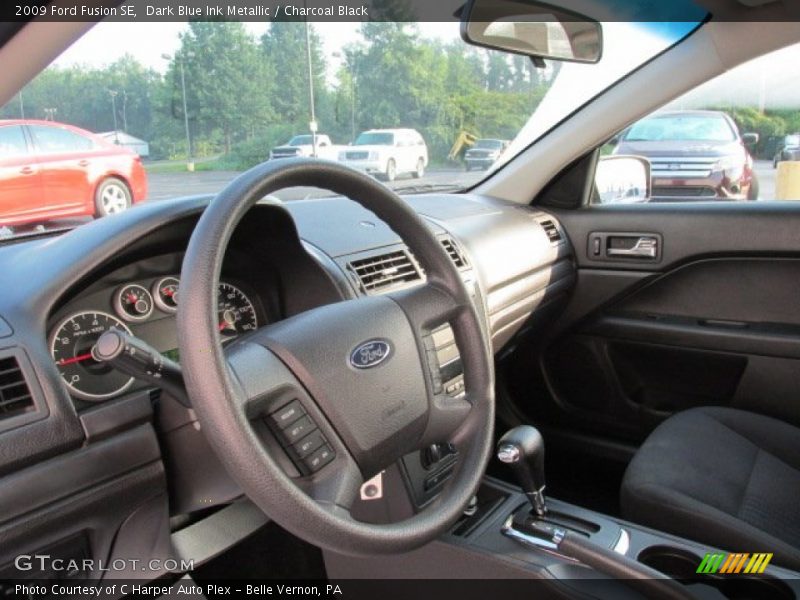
(675, 562)
(682, 565)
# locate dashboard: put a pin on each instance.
(90, 454)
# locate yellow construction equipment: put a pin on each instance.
(464, 139)
(787, 181)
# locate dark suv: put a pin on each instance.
(789, 151)
(694, 154)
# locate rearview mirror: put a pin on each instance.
(622, 179)
(533, 29)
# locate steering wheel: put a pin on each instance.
(360, 375)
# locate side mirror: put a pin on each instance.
(533, 29)
(622, 179)
(750, 139)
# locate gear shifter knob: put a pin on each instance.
(522, 449)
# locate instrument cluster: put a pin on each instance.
(146, 309)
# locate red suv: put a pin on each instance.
(695, 154)
(51, 170)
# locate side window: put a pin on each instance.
(734, 138)
(12, 142)
(50, 140)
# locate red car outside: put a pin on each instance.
(51, 171)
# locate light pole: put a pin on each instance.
(351, 68)
(113, 94)
(353, 103)
(124, 111)
(21, 106)
(313, 125)
(179, 58)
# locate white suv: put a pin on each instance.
(388, 153)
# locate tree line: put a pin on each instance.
(244, 95)
(771, 126)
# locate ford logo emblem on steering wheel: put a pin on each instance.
(370, 354)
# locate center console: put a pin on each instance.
(513, 533)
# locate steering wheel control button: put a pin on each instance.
(298, 430)
(283, 417)
(433, 364)
(319, 458)
(308, 444)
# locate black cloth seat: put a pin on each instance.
(724, 477)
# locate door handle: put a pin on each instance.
(83, 163)
(644, 247)
(26, 170)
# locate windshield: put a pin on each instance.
(684, 128)
(201, 102)
(792, 141)
(375, 139)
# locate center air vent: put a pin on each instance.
(453, 252)
(15, 395)
(550, 228)
(384, 271)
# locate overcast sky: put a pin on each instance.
(773, 80)
(108, 41)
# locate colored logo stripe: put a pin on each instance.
(710, 563)
(758, 563)
(737, 562)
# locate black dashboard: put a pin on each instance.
(63, 413)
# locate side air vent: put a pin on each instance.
(455, 254)
(550, 228)
(15, 395)
(385, 271)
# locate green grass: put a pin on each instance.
(214, 163)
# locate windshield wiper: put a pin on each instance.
(422, 188)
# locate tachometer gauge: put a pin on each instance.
(235, 312)
(71, 347)
(133, 302)
(165, 292)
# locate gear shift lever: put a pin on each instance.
(522, 449)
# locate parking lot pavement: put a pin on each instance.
(171, 185)
(766, 179)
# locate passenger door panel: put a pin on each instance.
(713, 321)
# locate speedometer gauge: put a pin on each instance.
(235, 311)
(71, 347)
